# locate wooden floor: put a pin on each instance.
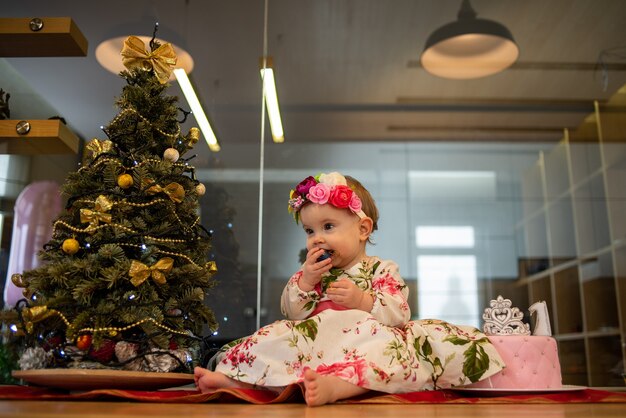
(64, 409)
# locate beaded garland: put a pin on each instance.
(210, 265)
(43, 312)
(139, 164)
(186, 167)
(147, 204)
(131, 110)
(122, 227)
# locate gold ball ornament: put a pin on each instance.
(194, 135)
(200, 189)
(70, 246)
(171, 154)
(125, 181)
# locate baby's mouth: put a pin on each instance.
(327, 254)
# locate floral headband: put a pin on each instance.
(325, 188)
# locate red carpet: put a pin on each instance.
(293, 394)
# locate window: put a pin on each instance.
(447, 280)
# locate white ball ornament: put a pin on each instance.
(171, 154)
(200, 189)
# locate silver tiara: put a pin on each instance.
(502, 319)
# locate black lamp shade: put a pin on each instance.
(469, 48)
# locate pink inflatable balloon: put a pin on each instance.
(35, 209)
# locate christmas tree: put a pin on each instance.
(126, 271)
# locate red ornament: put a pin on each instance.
(52, 342)
(83, 342)
(173, 345)
(104, 353)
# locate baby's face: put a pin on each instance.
(335, 230)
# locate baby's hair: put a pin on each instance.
(367, 201)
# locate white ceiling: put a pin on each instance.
(346, 69)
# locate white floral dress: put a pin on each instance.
(379, 350)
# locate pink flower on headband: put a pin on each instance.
(319, 193)
(355, 204)
(340, 196)
(303, 187)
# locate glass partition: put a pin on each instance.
(466, 220)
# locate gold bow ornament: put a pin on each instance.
(175, 191)
(139, 272)
(99, 214)
(35, 314)
(96, 147)
(162, 60)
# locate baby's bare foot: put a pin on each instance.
(207, 381)
(316, 393)
(320, 390)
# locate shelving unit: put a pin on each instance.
(50, 136)
(40, 37)
(574, 232)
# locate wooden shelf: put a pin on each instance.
(48, 136)
(573, 232)
(58, 37)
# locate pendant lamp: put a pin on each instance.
(469, 47)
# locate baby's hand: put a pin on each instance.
(345, 293)
(313, 269)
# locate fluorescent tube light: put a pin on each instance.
(196, 109)
(271, 101)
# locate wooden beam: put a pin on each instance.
(476, 128)
(478, 104)
(553, 66)
(48, 136)
(57, 37)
